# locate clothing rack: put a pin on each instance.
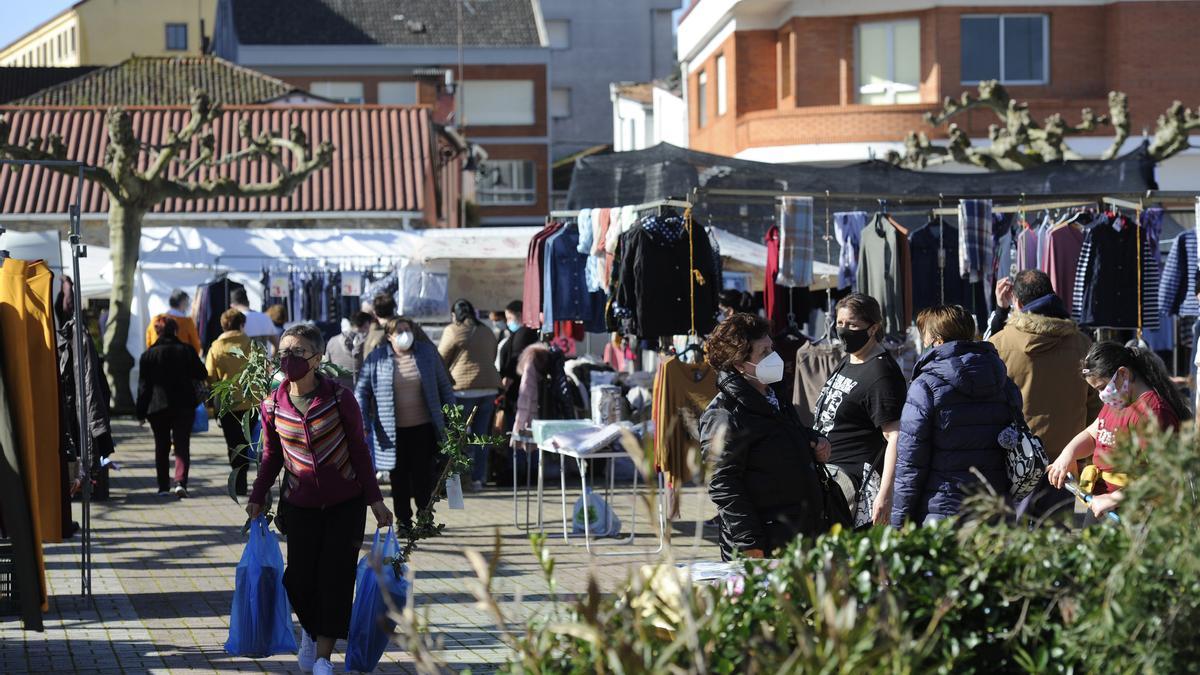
(78, 250)
(663, 202)
(378, 261)
(565, 214)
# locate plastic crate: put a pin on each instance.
(9, 602)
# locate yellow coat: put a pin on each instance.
(223, 364)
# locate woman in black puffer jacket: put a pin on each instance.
(765, 473)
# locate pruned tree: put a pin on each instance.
(1019, 142)
(170, 173)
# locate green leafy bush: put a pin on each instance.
(976, 595)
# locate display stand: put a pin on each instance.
(78, 250)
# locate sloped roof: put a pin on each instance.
(495, 23)
(642, 92)
(383, 158)
(162, 80)
(17, 81)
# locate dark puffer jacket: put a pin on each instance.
(960, 400)
(168, 373)
(764, 478)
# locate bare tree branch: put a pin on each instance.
(289, 178)
(56, 151)
(1171, 134)
(202, 115)
(1118, 115)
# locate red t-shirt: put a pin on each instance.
(1114, 423)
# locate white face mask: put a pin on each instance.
(769, 370)
(403, 341)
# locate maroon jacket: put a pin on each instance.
(324, 451)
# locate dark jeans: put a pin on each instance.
(172, 426)
(322, 562)
(485, 409)
(413, 478)
(236, 445)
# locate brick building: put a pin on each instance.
(781, 81)
(404, 52)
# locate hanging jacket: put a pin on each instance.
(95, 387)
(960, 400)
(223, 363)
(764, 479)
(324, 450)
(376, 396)
(168, 373)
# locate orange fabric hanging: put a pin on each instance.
(31, 373)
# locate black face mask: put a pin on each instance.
(855, 339)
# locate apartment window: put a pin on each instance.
(888, 62)
(398, 93)
(558, 31)
(507, 181)
(721, 90)
(497, 102)
(177, 37)
(702, 99)
(73, 48)
(785, 65)
(1013, 48)
(560, 102)
(61, 41)
(344, 92)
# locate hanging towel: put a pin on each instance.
(795, 242)
(848, 226)
(975, 246)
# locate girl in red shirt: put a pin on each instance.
(1136, 391)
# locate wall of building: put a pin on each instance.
(1094, 48)
(106, 32)
(626, 41)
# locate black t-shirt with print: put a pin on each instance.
(855, 403)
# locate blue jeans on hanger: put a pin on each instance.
(485, 408)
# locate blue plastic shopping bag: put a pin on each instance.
(260, 621)
(370, 629)
(200, 421)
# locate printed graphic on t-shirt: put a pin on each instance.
(1105, 438)
(832, 394)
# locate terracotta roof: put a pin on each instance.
(383, 158)
(498, 23)
(163, 80)
(17, 82)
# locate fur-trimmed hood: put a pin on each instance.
(1035, 333)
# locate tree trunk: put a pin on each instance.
(124, 238)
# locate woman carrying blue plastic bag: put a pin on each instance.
(313, 427)
(370, 630)
(260, 621)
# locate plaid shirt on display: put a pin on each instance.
(795, 242)
(975, 251)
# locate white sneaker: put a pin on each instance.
(179, 491)
(322, 667)
(308, 652)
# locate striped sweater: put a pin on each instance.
(324, 451)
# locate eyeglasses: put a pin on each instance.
(299, 351)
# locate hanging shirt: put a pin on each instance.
(567, 291)
(795, 242)
(1062, 261)
(847, 227)
(680, 389)
(1106, 281)
(975, 252)
(934, 282)
(882, 273)
(1177, 293)
(531, 295)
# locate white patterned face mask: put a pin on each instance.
(1113, 395)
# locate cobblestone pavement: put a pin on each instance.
(164, 573)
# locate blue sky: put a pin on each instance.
(22, 15)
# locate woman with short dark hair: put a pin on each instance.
(765, 479)
(313, 426)
(960, 400)
(226, 359)
(169, 374)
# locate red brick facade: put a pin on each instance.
(1140, 48)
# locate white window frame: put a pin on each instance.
(891, 87)
(167, 36)
(702, 99)
(315, 88)
(550, 41)
(1045, 46)
(722, 88)
(524, 196)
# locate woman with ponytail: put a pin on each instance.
(1136, 391)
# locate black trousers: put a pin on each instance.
(231, 428)
(413, 478)
(172, 426)
(322, 559)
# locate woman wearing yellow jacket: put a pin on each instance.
(226, 360)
